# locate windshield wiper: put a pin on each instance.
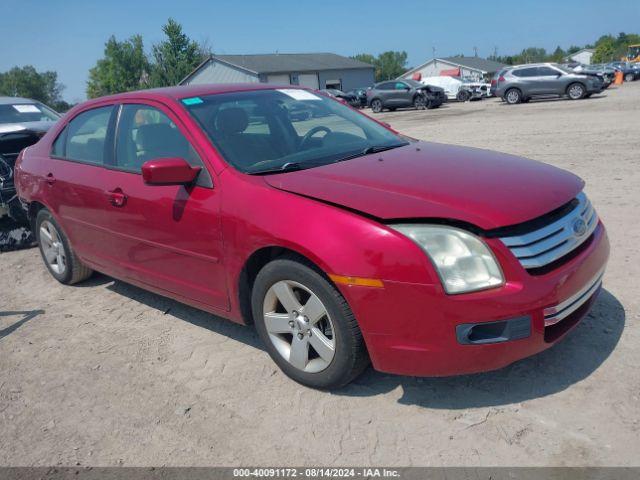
(371, 149)
(287, 167)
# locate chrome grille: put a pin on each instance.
(553, 315)
(555, 240)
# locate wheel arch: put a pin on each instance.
(579, 82)
(513, 88)
(256, 261)
(32, 212)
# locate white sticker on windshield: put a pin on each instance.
(299, 94)
(27, 108)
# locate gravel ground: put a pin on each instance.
(107, 374)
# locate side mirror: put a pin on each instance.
(169, 171)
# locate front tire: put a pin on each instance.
(306, 325)
(629, 77)
(576, 91)
(513, 96)
(420, 102)
(376, 105)
(60, 259)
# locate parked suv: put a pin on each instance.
(404, 93)
(524, 82)
(341, 240)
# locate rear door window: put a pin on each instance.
(86, 136)
(387, 86)
(526, 72)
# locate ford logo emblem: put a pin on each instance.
(579, 227)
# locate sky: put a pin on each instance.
(68, 36)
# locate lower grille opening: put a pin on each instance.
(553, 332)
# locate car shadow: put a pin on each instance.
(194, 316)
(572, 360)
(596, 96)
(552, 371)
(26, 316)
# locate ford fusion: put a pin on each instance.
(342, 241)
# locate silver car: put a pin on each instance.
(524, 82)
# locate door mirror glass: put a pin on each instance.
(169, 171)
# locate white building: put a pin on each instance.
(472, 67)
(582, 56)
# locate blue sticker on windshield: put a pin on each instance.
(192, 101)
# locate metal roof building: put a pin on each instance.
(474, 67)
(314, 70)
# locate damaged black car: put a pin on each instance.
(22, 123)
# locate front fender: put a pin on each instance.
(340, 242)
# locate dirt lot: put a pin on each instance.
(107, 374)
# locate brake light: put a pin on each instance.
(493, 82)
(501, 79)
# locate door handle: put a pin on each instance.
(50, 178)
(117, 198)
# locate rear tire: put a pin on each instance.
(576, 91)
(513, 96)
(333, 324)
(629, 77)
(58, 256)
(376, 105)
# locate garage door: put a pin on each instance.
(280, 79)
(308, 80)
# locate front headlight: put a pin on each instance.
(463, 261)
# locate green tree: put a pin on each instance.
(558, 54)
(365, 57)
(123, 68)
(390, 65)
(28, 82)
(175, 57)
(606, 49)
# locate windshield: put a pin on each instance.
(564, 68)
(275, 130)
(26, 113)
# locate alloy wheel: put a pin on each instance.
(576, 92)
(52, 248)
(376, 106)
(513, 96)
(299, 326)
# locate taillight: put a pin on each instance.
(493, 82)
(501, 79)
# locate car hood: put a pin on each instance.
(429, 180)
(37, 127)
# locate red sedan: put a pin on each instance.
(342, 241)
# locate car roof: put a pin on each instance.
(12, 100)
(187, 91)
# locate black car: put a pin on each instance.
(22, 123)
(630, 71)
(347, 97)
(361, 95)
(404, 93)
